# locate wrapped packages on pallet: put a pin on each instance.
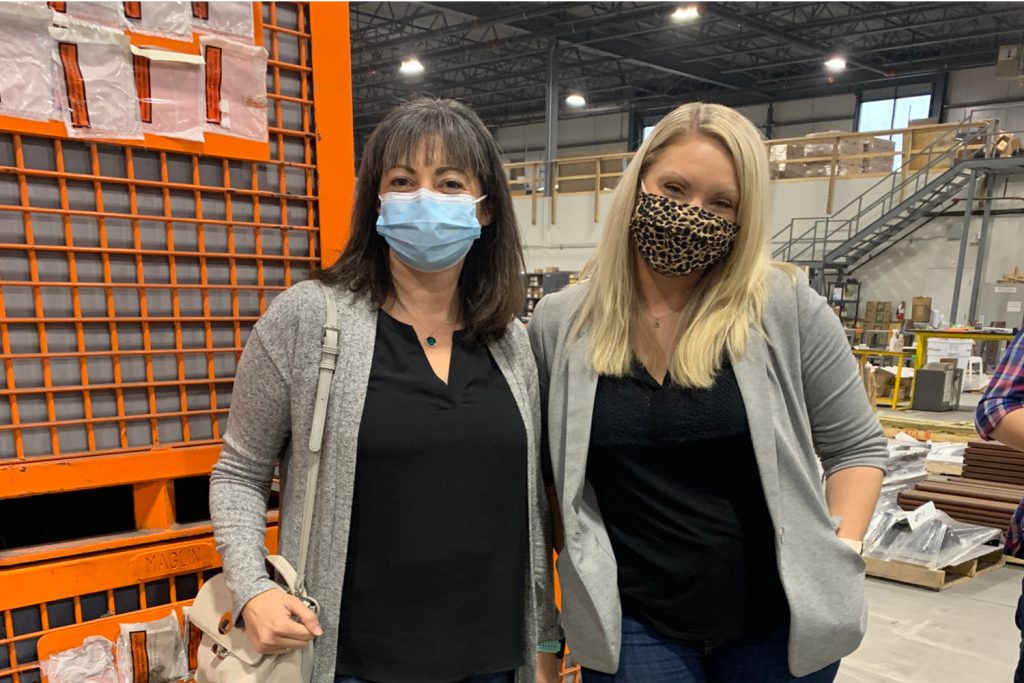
(879, 164)
(906, 466)
(822, 151)
(927, 537)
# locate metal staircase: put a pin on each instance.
(895, 207)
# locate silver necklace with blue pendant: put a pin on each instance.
(431, 339)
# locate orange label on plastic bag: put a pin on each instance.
(201, 10)
(74, 85)
(213, 82)
(140, 658)
(195, 635)
(133, 10)
(143, 88)
(58, 6)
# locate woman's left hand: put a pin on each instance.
(548, 668)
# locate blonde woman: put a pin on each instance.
(692, 388)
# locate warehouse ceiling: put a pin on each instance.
(648, 57)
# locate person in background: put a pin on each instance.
(431, 560)
(693, 393)
(999, 416)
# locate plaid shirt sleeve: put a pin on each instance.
(1005, 393)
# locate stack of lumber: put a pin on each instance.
(987, 494)
(973, 501)
(992, 461)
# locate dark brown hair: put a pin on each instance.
(490, 286)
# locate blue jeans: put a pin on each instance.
(649, 657)
(503, 677)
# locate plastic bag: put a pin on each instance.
(235, 88)
(152, 651)
(171, 19)
(26, 67)
(110, 14)
(91, 662)
(96, 83)
(939, 541)
(166, 84)
(232, 18)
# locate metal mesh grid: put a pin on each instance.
(21, 628)
(129, 279)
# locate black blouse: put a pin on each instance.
(435, 583)
(680, 494)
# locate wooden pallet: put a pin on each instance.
(934, 579)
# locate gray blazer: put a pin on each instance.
(803, 397)
(271, 413)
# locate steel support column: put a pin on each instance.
(982, 258)
(551, 119)
(965, 237)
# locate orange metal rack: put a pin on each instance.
(129, 280)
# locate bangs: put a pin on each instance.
(444, 139)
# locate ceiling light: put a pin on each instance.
(835, 63)
(411, 66)
(688, 13)
(575, 100)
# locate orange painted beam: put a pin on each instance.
(154, 504)
(20, 479)
(40, 583)
(335, 145)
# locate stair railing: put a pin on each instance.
(814, 243)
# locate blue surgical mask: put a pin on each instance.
(429, 231)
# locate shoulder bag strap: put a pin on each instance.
(328, 362)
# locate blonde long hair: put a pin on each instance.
(730, 297)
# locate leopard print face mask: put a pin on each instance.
(677, 239)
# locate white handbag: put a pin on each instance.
(226, 655)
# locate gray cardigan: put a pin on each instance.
(271, 413)
(803, 397)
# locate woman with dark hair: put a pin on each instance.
(431, 560)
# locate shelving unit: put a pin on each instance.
(849, 306)
(540, 283)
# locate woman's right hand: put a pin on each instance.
(277, 622)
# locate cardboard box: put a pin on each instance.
(921, 309)
(845, 146)
(878, 165)
(1007, 144)
(879, 145)
(885, 383)
(820, 169)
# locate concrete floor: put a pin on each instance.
(968, 404)
(965, 634)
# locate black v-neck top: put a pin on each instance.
(435, 582)
(680, 493)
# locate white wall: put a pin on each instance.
(922, 265)
(835, 113)
(567, 242)
(979, 85)
(576, 137)
(925, 263)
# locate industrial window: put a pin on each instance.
(895, 112)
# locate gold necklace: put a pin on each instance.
(657, 320)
